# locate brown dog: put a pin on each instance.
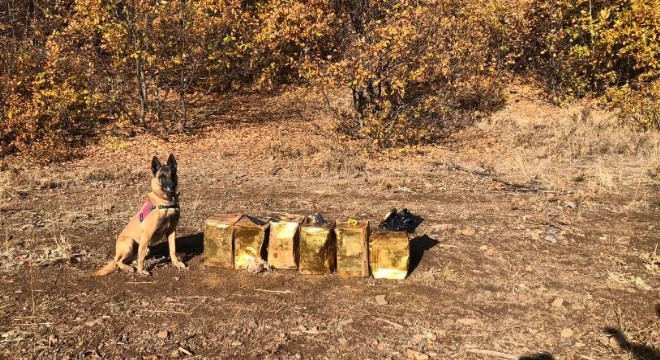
(158, 217)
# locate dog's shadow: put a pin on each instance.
(638, 351)
(187, 247)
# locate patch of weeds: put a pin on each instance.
(651, 260)
(16, 254)
(100, 175)
(115, 144)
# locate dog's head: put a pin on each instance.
(164, 180)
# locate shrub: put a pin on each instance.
(45, 110)
(414, 69)
(639, 108)
(587, 47)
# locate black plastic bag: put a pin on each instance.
(403, 220)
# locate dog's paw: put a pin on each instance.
(144, 272)
(179, 265)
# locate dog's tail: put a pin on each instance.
(110, 267)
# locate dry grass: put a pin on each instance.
(570, 148)
(13, 254)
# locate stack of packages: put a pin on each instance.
(310, 244)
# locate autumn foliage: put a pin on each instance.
(414, 70)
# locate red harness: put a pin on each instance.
(145, 210)
(148, 207)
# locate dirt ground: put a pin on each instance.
(539, 242)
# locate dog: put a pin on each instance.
(158, 217)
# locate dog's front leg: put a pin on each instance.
(171, 237)
(143, 246)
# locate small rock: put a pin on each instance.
(342, 341)
(236, 343)
(253, 324)
(380, 300)
(163, 334)
(94, 322)
(551, 238)
(431, 336)
(416, 355)
(174, 353)
(566, 333)
(558, 303)
(613, 343)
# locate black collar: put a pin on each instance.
(171, 206)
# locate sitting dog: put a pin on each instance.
(158, 217)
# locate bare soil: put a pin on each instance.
(525, 250)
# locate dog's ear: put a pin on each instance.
(171, 161)
(155, 165)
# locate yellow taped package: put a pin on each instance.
(219, 240)
(352, 248)
(283, 241)
(389, 254)
(317, 249)
(249, 240)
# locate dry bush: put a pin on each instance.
(47, 105)
(581, 48)
(414, 69)
(640, 107)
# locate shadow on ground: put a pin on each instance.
(418, 246)
(187, 247)
(636, 350)
(537, 356)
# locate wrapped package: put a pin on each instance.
(352, 248)
(283, 241)
(317, 247)
(249, 241)
(389, 254)
(219, 240)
